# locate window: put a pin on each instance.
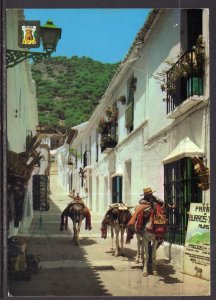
(76, 159)
(85, 159)
(181, 188)
(117, 189)
(89, 159)
(129, 113)
(81, 153)
(194, 26)
(97, 135)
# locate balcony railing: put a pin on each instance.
(184, 79)
(109, 143)
(108, 136)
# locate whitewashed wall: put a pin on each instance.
(21, 94)
(145, 152)
(22, 114)
(154, 135)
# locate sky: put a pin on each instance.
(104, 35)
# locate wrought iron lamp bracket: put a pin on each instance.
(14, 57)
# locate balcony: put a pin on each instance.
(108, 145)
(185, 82)
(108, 129)
(108, 137)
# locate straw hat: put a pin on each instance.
(147, 191)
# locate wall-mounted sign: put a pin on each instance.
(197, 243)
(28, 34)
(41, 200)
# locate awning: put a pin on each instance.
(186, 148)
(87, 168)
(117, 173)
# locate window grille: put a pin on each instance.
(181, 188)
(117, 189)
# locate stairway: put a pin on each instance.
(59, 194)
(54, 169)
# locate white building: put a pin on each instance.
(156, 139)
(67, 159)
(22, 114)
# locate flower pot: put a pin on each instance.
(122, 99)
(108, 144)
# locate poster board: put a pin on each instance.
(40, 193)
(197, 244)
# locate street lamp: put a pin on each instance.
(49, 34)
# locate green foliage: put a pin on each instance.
(70, 85)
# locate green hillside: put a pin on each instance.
(68, 89)
(200, 238)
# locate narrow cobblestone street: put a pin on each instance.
(90, 269)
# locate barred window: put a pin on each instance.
(181, 188)
(117, 189)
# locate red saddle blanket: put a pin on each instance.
(156, 221)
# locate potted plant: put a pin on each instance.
(107, 128)
(109, 112)
(133, 83)
(122, 99)
(107, 142)
(195, 81)
(114, 115)
(189, 66)
(102, 126)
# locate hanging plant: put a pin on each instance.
(122, 99)
(107, 128)
(109, 112)
(191, 63)
(112, 114)
(199, 52)
(133, 83)
(75, 153)
(102, 127)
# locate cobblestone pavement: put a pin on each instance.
(91, 269)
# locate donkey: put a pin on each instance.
(150, 228)
(76, 211)
(116, 218)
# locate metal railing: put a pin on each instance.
(109, 137)
(180, 188)
(184, 79)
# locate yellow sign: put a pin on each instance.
(197, 243)
(28, 34)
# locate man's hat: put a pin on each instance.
(147, 191)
